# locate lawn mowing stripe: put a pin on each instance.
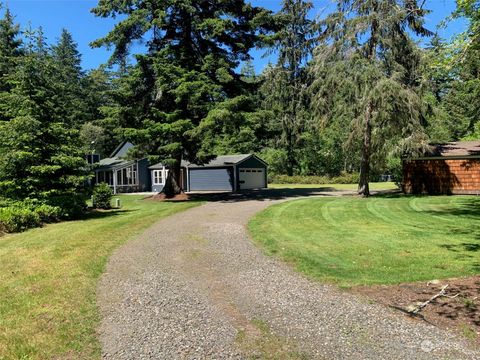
(375, 240)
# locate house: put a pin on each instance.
(121, 174)
(224, 173)
(451, 168)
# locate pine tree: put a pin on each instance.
(71, 81)
(193, 50)
(10, 51)
(368, 58)
(10, 46)
(285, 84)
(39, 156)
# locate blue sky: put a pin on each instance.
(74, 15)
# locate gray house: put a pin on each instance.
(121, 174)
(224, 173)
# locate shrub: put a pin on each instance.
(48, 213)
(71, 206)
(15, 219)
(344, 178)
(102, 196)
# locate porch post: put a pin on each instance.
(114, 173)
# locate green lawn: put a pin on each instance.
(379, 240)
(48, 279)
(373, 186)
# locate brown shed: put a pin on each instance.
(452, 168)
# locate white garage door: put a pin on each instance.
(252, 178)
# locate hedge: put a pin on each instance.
(16, 216)
(344, 178)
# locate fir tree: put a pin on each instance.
(10, 51)
(193, 50)
(70, 79)
(39, 156)
(286, 83)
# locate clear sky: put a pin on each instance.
(75, 16)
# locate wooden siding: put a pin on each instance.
(441, 176)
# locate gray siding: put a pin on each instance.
(215, 179)
(157, 188)
(122, 152)
(144, 177)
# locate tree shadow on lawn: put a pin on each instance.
(101, 214)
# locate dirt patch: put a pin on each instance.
(459, 313)
(162, 197)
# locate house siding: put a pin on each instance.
(144, 178)
(442, 176)
(213, 179)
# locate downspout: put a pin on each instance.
(187, 174)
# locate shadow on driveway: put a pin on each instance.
(269, 194)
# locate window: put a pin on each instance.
(158, 177)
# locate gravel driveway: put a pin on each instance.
(194, 286)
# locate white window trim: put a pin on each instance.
(163, 173)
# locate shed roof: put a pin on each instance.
(222, 160)
(455, 149)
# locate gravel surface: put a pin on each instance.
(194, 286)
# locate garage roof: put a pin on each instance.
(219, 161)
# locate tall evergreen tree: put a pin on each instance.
(193, 50)
(369, 58)
(10, 47)
(461, 101)
(71, 79)
(10, 51)
(39, 156)
(285, 84)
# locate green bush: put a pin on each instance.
(15, 219)
(48, 213)
(344, 178)
(102, 196)
(72, 206)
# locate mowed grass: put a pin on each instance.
(374, 186)
(378, 240)
(48, 280)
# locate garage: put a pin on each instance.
(211, 179)
(251, 178)
(224, 173)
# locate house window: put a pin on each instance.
(158, 177)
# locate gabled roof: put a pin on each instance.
(122, 149)
(116, 158)
(455, 149)
(222, 160)
(219, 161)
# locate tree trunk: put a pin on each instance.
(363, 186)
(172, 186)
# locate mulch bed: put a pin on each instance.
(460, 314)
(162, 197)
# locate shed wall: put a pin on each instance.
(442, 176)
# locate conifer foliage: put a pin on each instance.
(189, 68)
(368, 57)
